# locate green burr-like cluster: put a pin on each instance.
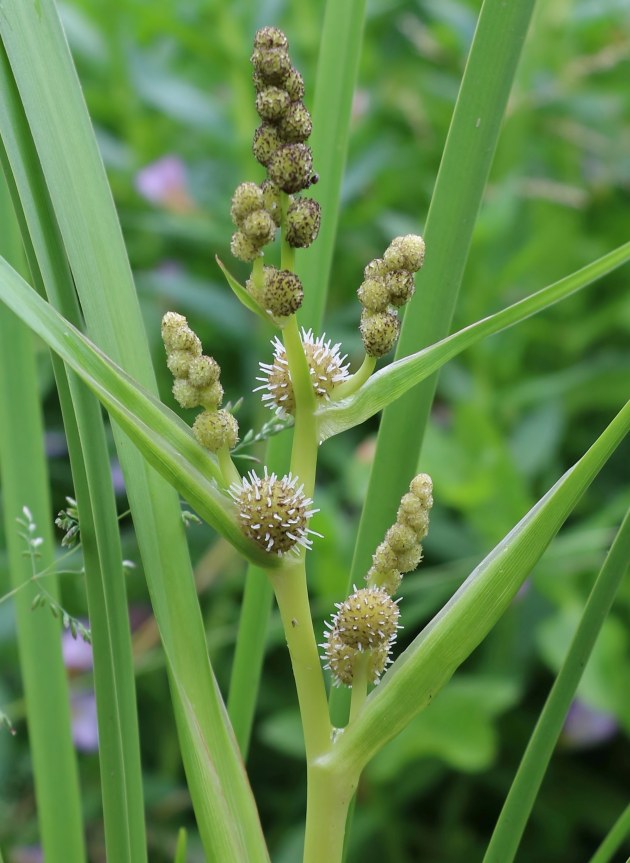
(388, 284)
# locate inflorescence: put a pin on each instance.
(325, 365)
(367, 621)
(274, 512)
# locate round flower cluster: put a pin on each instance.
(197, 383)
(401, 551)
(366, 622)
(274, 512)
(388, 284)
(256, 213)
(279, 292)
(325, 365)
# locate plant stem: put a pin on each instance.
(614, 839)
(327, 804)
(349, 387)
(229, 471)
(359, 684)
(289, 584)
(305, 443)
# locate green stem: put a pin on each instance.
(289, 584)
(356, 381)
(229, 471)
(359, 684)
(305, 443)
(327, 803)
(612, 842)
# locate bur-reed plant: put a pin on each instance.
(81, 302)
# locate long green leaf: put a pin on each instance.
(428, 663)
(524, 790)
(163, 440)
(618, 834)
(75, 177)
(389, 384)
(114, 682)
(25, 483)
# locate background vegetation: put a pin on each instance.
(167, 87)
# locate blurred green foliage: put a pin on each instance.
(171, 79)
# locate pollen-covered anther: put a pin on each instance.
(401, 538)
(413, 513)
(409, 560)
(203, 372)
(326, 367)
(247, 198)
(266, 143)
(374, 295)
(291, 167)
(271, 200)
(281, 293)
(368, 618)
(271, 64)
(177, 335)
(270, 37)
(302, 223)
(405, 253)
(243, 248)
(340, 659)
(295, 124)
(401, 286)
(216, 429)
(259, 227)
(422, 487)
(272, 104)
(178, 363)
(294, 85)
(274, 512)
(379, 331)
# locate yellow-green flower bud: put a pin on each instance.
(216, 429)
(294, 85)
(405, 253)
(185, 394)
(409, 560)
(388, 580)
(281, 293)
(368, 618)
(413, 513)
(177, 335)
(296, 124)
(379, 331)
(273, 512)
(270, 37)
(243, 248)
(271, 200)
(422, 487)
(210, 397)
(247, 198)
(272, 104)
(401, 286)
(272, 65)
(302, 223)
(178, 363)
(291, 167)
(266, 142)
(259, 227)
(203, 371)
(375, 269)
(384, 558)
(401, 538)
(373, 295)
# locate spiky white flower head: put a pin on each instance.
(340, 659)
(326, 367)
(274, 512)
(367, 619)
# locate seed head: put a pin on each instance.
(246, 199)
(340, 659)
(291, 167)
(368, 618)
(374, 295)
(302, 223)
(272, 104)
(325, 366)
(216, 429)
(274, 512)
(405, 253)
(243, 248)
(203, 371)
(296, 124)
(281, 292)
(379, 331)
(266, 142)
(259, 227)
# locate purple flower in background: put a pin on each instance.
(77, 653)
(84, 721)
(28, 854)
(164, 182)
(586, 726)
